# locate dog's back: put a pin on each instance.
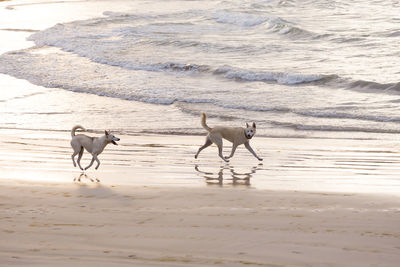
(232, 134)
(82, 140)
(85, 141)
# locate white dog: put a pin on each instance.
(94, 145)
(235, 135)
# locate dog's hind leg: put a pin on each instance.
(217, 139)
(207, 144)
(76, 147)
(73, 157)
(79, 158)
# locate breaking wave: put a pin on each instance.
(360, 84)
(279, 77)
(275, 24)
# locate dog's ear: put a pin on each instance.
(247, 125)
(254, 125)
(106, 133)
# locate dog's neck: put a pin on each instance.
(103, 140)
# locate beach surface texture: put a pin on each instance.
(321, 90)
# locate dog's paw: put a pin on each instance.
(260, 159)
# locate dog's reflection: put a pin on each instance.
(85, 176)
(233, 177)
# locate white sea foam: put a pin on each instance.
(71, 42)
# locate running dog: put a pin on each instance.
(235, 135)
(94, 145)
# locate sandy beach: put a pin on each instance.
(153, 209)
(317, 199)
(97, 225)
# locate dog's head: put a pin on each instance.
(111, 138)
(250, 131)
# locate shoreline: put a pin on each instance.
(312, 165)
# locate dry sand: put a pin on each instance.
(88, 224)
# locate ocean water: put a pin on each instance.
(296, 68)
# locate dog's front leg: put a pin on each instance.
(247, 145)
(91, 163)
(234, 146)
(217, 139)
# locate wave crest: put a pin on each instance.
(171, 66)
(375, 86)
(275, 24)
(279, 77)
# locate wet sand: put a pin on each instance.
(317, 165)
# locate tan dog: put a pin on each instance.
(94, 145)
(235, 135)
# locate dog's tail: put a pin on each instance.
(203, 123)
(75, 128)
